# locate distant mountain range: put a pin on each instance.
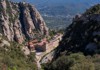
(59, 8)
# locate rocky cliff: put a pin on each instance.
(83, 35)
(20, 21)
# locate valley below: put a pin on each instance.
(57, 21)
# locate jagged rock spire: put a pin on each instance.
(21, 21)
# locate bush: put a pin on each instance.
(71, 62)
(14, 59)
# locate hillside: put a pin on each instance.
(13, 58)
(80, 45)
(20, 21)
(19, 24)
(83, 32)
(93, 10)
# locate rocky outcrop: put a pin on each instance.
(20, 21)
(83, 35)
(3, 42)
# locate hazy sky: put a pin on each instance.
(40, 3)
(60, 1)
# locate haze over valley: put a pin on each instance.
(59, 13)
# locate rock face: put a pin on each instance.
(83, 35)
(20, 21)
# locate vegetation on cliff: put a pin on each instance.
(83, 35)
(93, 10)
(12, 58)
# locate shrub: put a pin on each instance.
(71, 62)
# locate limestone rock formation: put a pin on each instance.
(20, 21)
